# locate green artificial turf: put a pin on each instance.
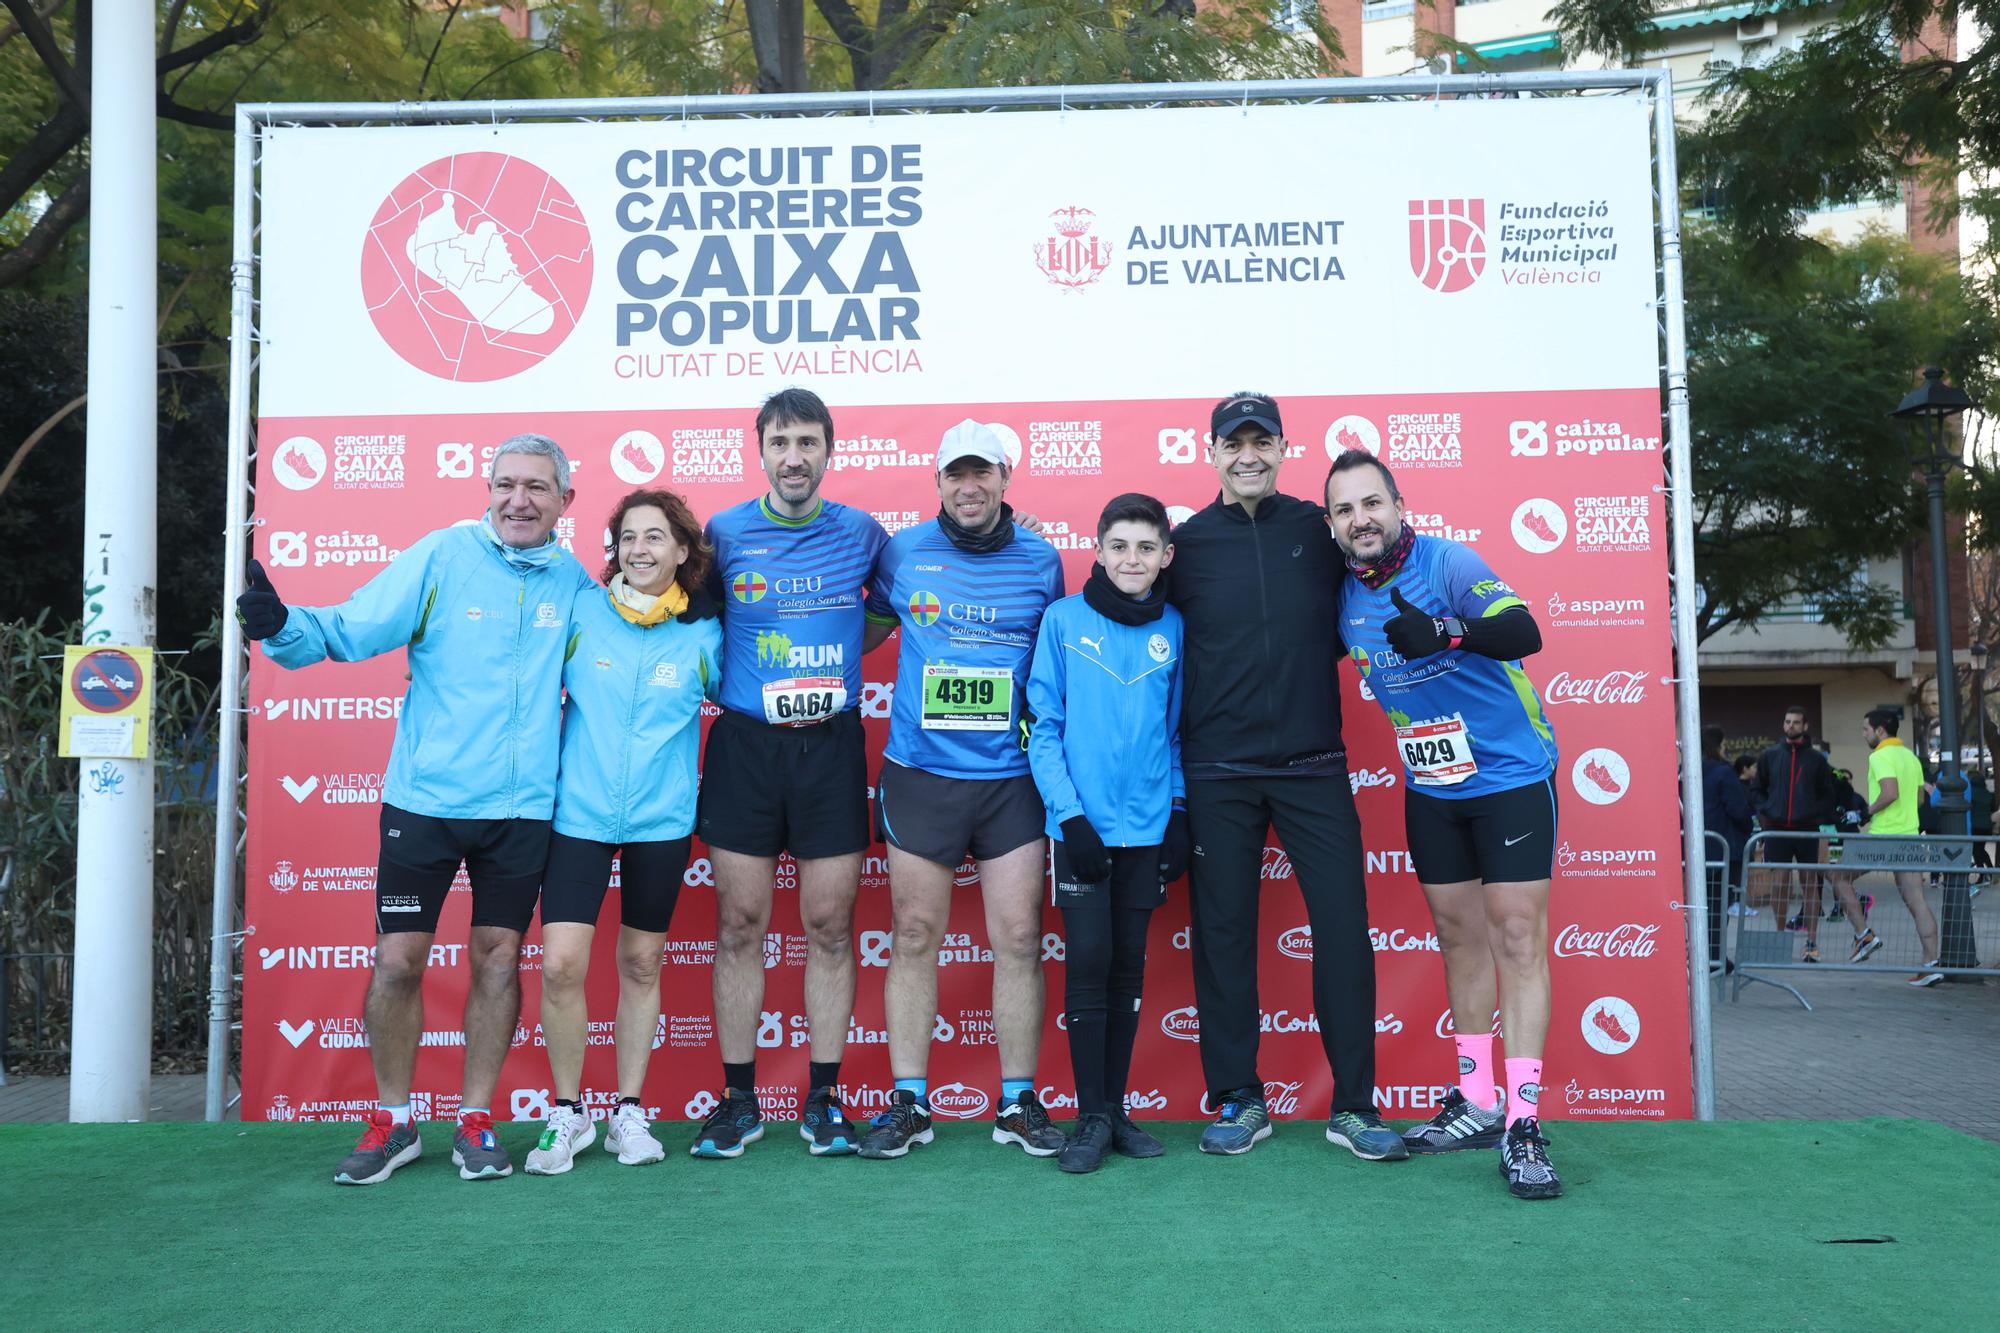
(1728, 1225)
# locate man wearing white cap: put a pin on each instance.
(969, 588)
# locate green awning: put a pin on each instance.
(1694, 18)
(1515, 46)
(1686, 18)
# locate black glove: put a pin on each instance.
(1088, 860)
(700, 606)
(259, 609)
(1174, 848)
(1414, 633)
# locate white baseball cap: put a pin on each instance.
(971, 439)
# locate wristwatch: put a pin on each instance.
(1454, 629)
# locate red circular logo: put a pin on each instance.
(476, 267)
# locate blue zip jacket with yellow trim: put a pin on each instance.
(632, 726)
(1106, 742)
(486, 626)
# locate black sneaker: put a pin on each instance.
(1458, 1126)
(1524, 1161)
(730, 1128)
(825, 1127)
(385, 1146)
(1025, 1123)
(902, 1127)
(476, 1150)
(1085, 1150)
(1128, 1140)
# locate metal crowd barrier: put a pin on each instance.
(1968, 926)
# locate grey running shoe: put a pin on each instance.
(905, 1125)
(1023, 1122)
(1128, 1140)
(476, 1150)
(384, 1146)
(629, 1136)
(1363, 1134)
(1241, 1125)
(1524, 1161)
(567, 1133)
(1458, 1126)
(1866, 945)
(1085, 1150)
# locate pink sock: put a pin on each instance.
(1524, 1089)
(1475, 1070)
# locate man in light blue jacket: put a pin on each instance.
(484, 610)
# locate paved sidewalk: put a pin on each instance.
(1871, 1047)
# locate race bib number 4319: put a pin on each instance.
(958, 698)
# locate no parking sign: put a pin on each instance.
(107, 702)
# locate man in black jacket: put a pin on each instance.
(1254, 577)
(1793, 793)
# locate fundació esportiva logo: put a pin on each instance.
(1447, 242)
(476, 267)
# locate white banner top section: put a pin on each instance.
(1468, 245)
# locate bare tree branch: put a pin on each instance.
(855, 34)
(170, 26)
(236, 34)
(60, 133)
(437, 46)
(69, 82)
(47, 10)
(168, 109)
(67, 209)
(506, 65)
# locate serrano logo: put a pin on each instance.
(1183, 1023)
(1610, 1025)
(637, 457)
(1297, 943)
(924, 607)
(955, 1101)
(1072, 258)
(476, 267)
(1539, 526)
(749, 586)
(1447, 242)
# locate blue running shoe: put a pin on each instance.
(905, 1125)
(1242, 1124)
(825, 1127)
(730, 1128)
(1363, 1134)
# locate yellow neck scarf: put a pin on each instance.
(640, 609)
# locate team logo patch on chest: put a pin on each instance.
(545, 616)
(924, 607)
(749, 586)
(667, 675)
(1156, 648)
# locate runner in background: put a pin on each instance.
(485, 611)
(1439, 640)
(970, 587)
(1895, 792)
(786, 767)
(643, 655)
(1106, 752)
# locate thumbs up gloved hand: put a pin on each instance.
(259, 609)
(1088, 859)
(1414, 633)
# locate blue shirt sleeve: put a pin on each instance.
(1471, 588)
(1047, 690)
(1174, 711)
(382, 615)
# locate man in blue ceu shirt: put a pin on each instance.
(970, 588)
(484, 610)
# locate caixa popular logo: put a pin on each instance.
(955, 1101)
(1072, 258)
(1183, 1024)
(476, 267)
(1447, 242)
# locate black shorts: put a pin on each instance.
(940, 819)
(766, 789)
(1503, 837)
(649, 881)
(420, 858)
(1789, 850)
(1134, 880)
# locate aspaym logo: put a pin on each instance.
(1540, 525)
(1447, 242)
(476, 267)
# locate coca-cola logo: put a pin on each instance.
(1279, 1098)
(1613, 687)
(955, 1101)
(1183, 1023)
(1276, 864)
(1629, 940)
(1446, 1027)
(1402, 941)
(1297, 943)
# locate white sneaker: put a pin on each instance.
(1927, 977)
(631, 1137)
(567, 1133)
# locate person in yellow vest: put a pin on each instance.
(1895, 790)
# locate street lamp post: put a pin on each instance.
(1981, 756)
(1929, 407)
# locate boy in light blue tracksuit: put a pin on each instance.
(644, 654)
(1105, 694)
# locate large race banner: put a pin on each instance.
(1466, 290)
